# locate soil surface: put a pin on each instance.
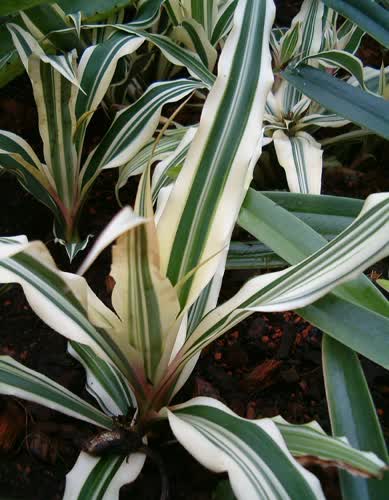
(268, 365)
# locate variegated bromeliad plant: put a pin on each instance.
(167, 269)
(67, 95)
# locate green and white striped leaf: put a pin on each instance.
(203, 12)
(124, 221)
(341, 59)
(363, 243)
(100, 478)
(322, 120)
(376, 80)
(133, 127)
(104, 382)
(144, 300)
(344, 313)
(301, 158)
(355, 417)
(193, 36)
(370, 16)
(224, 21)
(147, 14)
(309, 440)
(352, 103)
(153, 151)
(76, 20)
(51, 296)
(289, 43)
(162, 175)
(17, 157)
(197, 221)
(51, 27)
(18, 380)
(180, 57)
(310, 18)
(172, 51)
(253, 453)
(55, 99)
(26, 46)
(96, 70)
(143, 297)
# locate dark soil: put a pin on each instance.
(269, 365)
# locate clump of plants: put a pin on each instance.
(171, 249)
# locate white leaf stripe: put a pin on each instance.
(347, 254)
(47, 283)
(301, 157)
(134, 126)
(17, 157)
(196, 311)
(138, 163)
(26, 46)
(25, 43)
(265, 470)
(323, 120)
(204, 13)
(310, 439)
(174, 53)
(16, 379)
(198, 43)
(36, 184)
(55, 97)
(163, 179)
(96, 70)
(110, 383)
(341, 59)
(100, 478)
(147, 14)
(310, 17)
(217, 154)
(142, 297)
(224, 22)
(12, 143)
(177, 157)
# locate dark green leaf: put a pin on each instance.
(367, 14)
(11, 6)
(354, 418)
(360, 107)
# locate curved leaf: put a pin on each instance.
(134, 126)
(104, 382)
(198, 219)
(355, 417)
(360, 107)
(370, 16)
(100, 478)
(253, 453)
(310, 441)
(18, 380)
(301, 158)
